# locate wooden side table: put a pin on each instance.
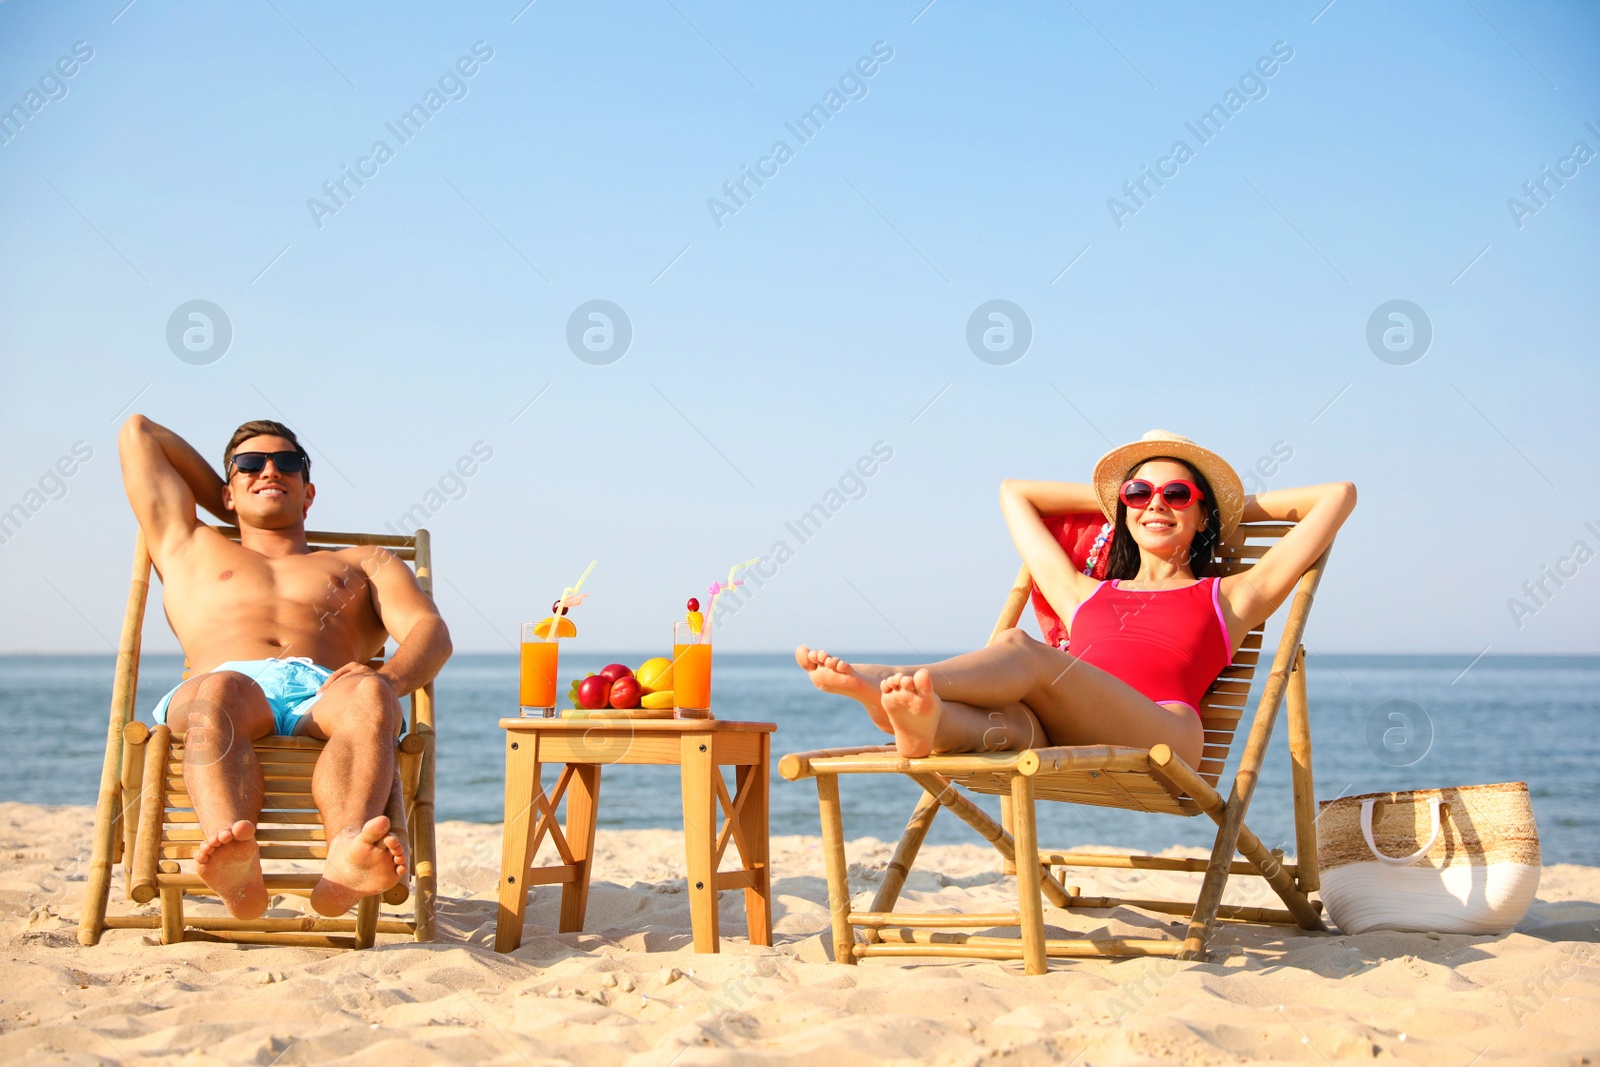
(701, 748)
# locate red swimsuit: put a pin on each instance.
(1169, 644)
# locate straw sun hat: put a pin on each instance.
(1115, 466)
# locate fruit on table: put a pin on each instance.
(625, 692)
(572, 690)
(593, 691)
(613, 671)
(660, 699)
(655, 674)
(541, 629)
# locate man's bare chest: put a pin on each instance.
(322, 588)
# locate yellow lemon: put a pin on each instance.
(654, 674)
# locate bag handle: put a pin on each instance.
(1398, 861)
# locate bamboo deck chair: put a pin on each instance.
(1154, 780)
(144, 819)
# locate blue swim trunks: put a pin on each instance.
(291, 686)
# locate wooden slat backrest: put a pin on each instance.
(402, 545)
(1224, 703)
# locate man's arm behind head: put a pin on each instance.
(165, 479)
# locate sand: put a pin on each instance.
(630, 990)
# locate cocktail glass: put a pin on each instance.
(537, 682)
(691, 672)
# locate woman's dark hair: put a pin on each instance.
(1124, 562)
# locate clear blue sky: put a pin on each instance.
(830, 311)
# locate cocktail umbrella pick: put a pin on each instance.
(716, 589)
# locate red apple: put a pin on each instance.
(592, 691)
(612, 671)
(625, 692)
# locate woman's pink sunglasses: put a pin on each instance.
(1178, 494)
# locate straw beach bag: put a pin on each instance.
(1460, 860)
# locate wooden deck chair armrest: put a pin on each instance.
(880, 759)
(1082, 758)
(1169, 766)
(797, 765)
(886, 760)
(1016, 600)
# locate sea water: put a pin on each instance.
(1378, 723)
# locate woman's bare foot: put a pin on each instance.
(360, 863)
(913, 710)
(833, 675)
(229, 861)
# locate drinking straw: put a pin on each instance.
(716, 589)
(561, 602)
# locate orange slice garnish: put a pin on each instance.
(566, 629)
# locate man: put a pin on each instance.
(278, 638)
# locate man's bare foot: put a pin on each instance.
(229, 861)
(913, 709)
(833, 675)
(360, 863)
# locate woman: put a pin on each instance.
(1145, 644)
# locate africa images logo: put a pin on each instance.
(53, 88)
(599, 332)
(852, 85)
(451, 86)
(999, 332)
(199, 332)
(1252, 86)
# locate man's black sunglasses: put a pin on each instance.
(256, 462)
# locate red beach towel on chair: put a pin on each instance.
(1087, 541)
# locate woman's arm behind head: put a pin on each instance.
(1054, 498)
(1024, 505)
(1318, 511)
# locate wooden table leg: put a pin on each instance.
(756, 780)
(516, 848)
(583, 804)
(700, 837)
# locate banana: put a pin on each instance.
(662, 699)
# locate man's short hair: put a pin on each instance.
(263, 428)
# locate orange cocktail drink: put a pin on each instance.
(537, 682)
(691, 672)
